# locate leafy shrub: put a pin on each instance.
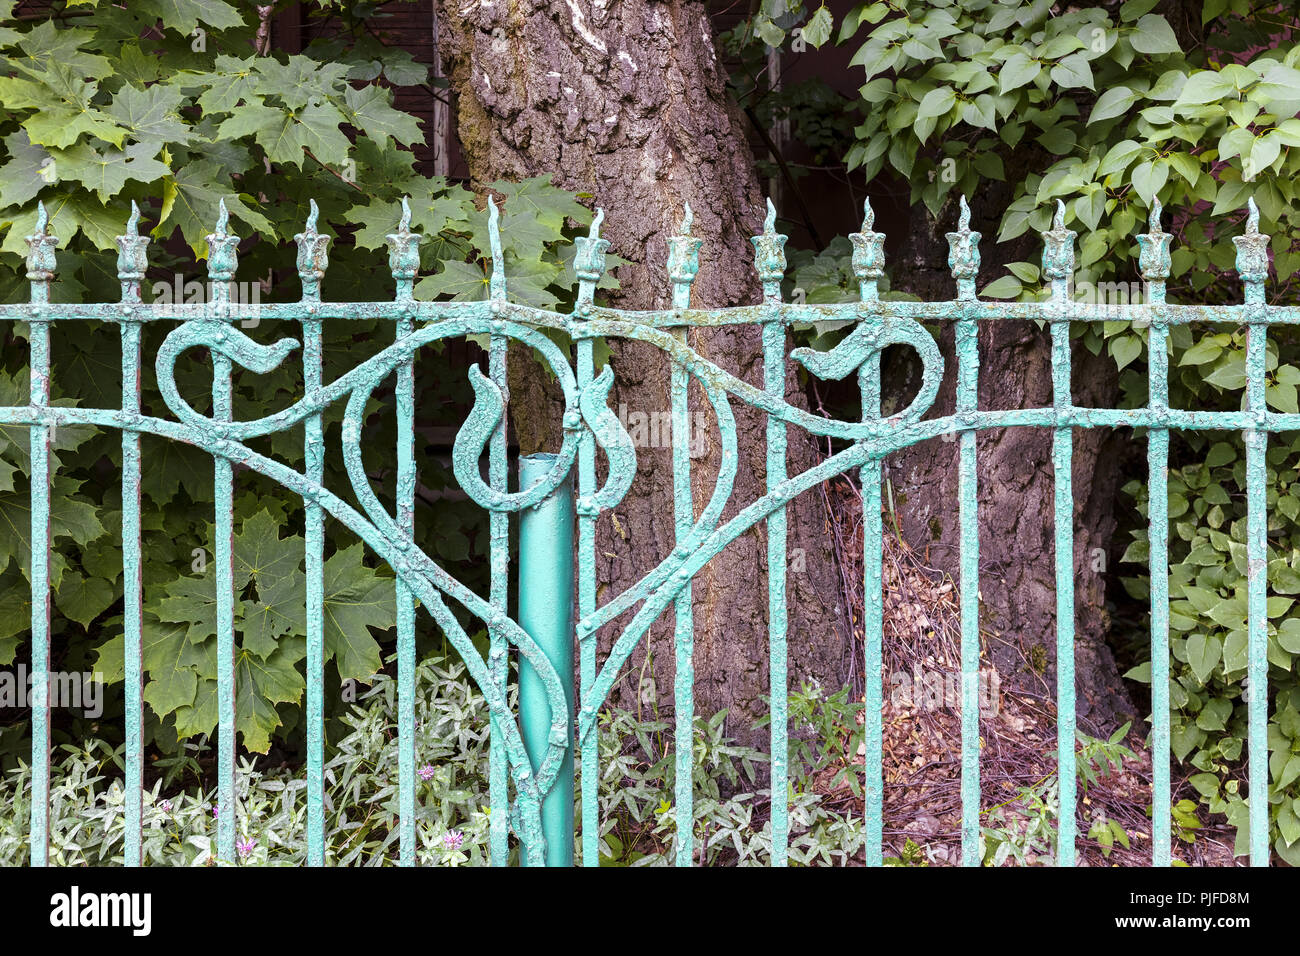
(452, 819)
(133, 103)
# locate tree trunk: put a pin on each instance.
(1017, 572)
(627, 102)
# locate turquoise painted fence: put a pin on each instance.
(590, 425)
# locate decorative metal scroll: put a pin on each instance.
(588, 425)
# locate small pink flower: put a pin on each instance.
(426, 772)
(165, 806)
(453, 839)
(245, 847)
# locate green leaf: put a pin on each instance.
(170, 660)
(1017, 71)
(107, 172)
(83, 598)
(1073, 71)
(151, 115)
(1206, 86)
(1154, 36)
(818, 28)
(1113, 102)
(191, 196)
(1203, 654)
(263, 683)
(936, 103)
(1007, 287)
(184, 16)
(1125, 348)
(356, 599)
(768, 32)
(370, 110)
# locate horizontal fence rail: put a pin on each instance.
(591, 427)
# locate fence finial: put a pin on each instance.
(131, 259)
(683, 260)
(1153, 249)
(223, 254)
(964, 252)
(497, 283)
(1252, 255)
(1058, 247)
(769, 255)
(41, 259)
(313, 255)
(404, 252)
(589, 262)
(868, 255)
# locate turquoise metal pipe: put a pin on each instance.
(546, 613)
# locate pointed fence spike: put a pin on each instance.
(1153, 220)
(688, 219)
(42, 219)
(223, 218)
(594, 231)
(133, 224)
(497, 284)
(963, 220)
(769, 224)
(1252, 218)
(1058, 221)
(404, 224)
(868, 216)
(312, 213)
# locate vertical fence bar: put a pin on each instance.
(404, 261)
(546, 614)
(499, 536)
(868, 267)
(222, 260)
(683, 265)
(131, 266)
(964, 260)
(1252, 266)
(1058, 263)
(313, 259)
(769, 260)
(40, 271)
(589, 266)
(1154, 262)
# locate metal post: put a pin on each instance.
(546, 613)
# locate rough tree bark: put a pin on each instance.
(1017, 574)
(627, 102)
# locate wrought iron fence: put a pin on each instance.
(536, 767)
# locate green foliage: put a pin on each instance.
(1110, 108)
(452, 820)
(1024, 829)
(166, 105)
(1208, 633)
